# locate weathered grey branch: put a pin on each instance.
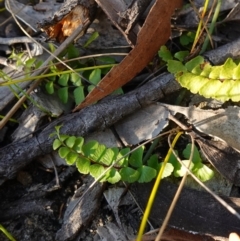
(14, 40)
(96, 117)
(190, 207)
(219, 55)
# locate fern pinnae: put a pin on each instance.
(197, 75)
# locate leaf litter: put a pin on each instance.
(221, 124)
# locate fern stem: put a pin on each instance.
(151, 149)
(7, 234)
(15, 81)
(154, 190)
(11, 119)
(212, 26)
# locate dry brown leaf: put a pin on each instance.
(68, 24)
(154, 33)
(68, 18)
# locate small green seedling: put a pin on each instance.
(200, 170)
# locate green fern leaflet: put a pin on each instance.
(197, 75)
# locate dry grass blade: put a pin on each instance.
(200, 30)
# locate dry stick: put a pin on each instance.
(175, 199)
(38, 72)
(18, 104)
(14, 40)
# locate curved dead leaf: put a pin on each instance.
(154, 33)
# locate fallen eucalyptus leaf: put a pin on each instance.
(154, 27)
(222, 123)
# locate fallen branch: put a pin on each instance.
(203, 215)
(96, 117)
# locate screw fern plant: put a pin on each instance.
(94, 158)
(67, 83)
(199, 76)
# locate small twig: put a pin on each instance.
(56, 173)
(15, 40)
(28, 50)
(74, 59)
(181, 125)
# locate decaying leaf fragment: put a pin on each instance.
(114, 9)
(222, 123)
(154, 33)
(72, 14)
(142, 125)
